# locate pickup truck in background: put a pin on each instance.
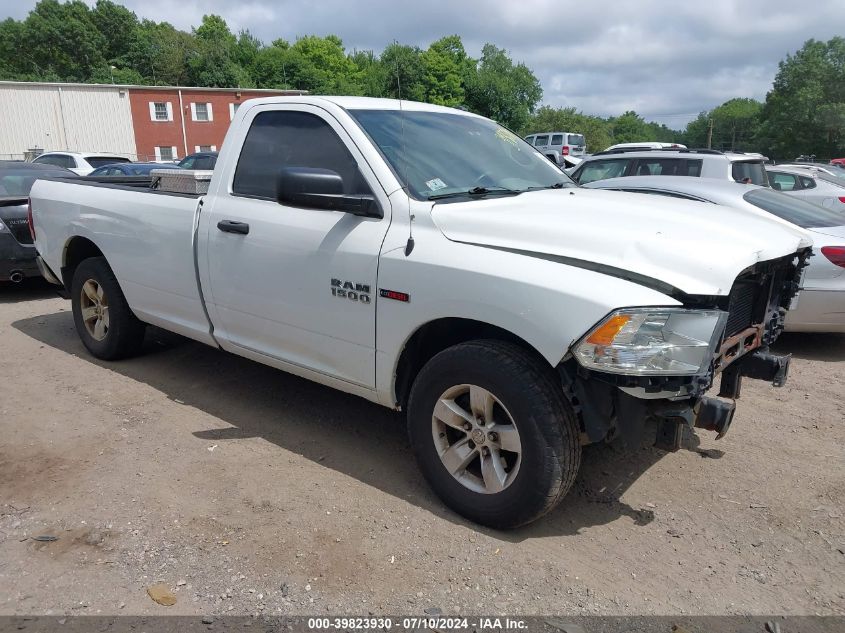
(430, 260)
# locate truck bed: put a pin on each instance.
(147, 236)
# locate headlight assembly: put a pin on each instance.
(653, 342)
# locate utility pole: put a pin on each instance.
(710, 135)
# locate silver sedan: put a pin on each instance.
(821, 302)
(811, 184)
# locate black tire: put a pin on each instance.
(527, 388)
(125, 333)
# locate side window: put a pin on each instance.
(59, 160)
(292, 139)
(557, 139)
(188, 163)
(542, 140)
(782, 181)
(660, 167)
(694, 168)
(603, 169)
(807, 183)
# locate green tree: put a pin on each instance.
(596, 131)
(794, 116)
(62, 39)
(735, 123)
(630, 127)
(445, 68)
(502, 90)
(280, 67)
(160, 54)
(831, 118)
(403, 72)
(372, 74)
(214, 63)
(333, 71)
(14, 59)
(118, 25)
(247, 48)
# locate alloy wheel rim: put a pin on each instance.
(476, 439)
(95, 309)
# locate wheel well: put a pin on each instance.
(77, 250)
(435, 336)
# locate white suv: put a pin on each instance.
(703, 163)
(78, 162)
(557, 146)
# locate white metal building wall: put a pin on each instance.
(64, 117)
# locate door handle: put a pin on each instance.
(233, 226)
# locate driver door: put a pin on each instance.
(274, 278)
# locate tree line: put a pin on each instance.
(804, 112)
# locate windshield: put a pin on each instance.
(789, 208)
(100, 161)
(437, 153)
(750, 172)
(18, 182)
(577, 140)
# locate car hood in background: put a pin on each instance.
(676, 242)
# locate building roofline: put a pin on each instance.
(58, 84)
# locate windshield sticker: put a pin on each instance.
(435, 184)
(507, 136)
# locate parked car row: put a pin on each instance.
(98, 164)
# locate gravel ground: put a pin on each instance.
(247, 491)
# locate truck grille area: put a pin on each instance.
(741, 305)
(757, 306)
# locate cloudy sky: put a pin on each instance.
(666, 59)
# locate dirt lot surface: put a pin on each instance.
(245, 490)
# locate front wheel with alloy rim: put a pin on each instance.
(493, 433)
(103, 319)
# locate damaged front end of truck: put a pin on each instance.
(655, 364)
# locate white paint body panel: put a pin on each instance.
(268, 293)
(658, 238)
(820, 306)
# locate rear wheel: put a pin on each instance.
(493, 433)
(103, 319)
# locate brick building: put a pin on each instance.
(170, 123)
(140, 122)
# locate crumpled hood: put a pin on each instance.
(696, 247)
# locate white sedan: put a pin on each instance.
(821, 303)
(81, 163)
(810, 184)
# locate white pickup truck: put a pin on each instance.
(430, 260)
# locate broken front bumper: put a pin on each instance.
(608, 409)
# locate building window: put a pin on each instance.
(161, 111)
(233, 107)
(201, 112)
(166, 154)
(205, 148)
